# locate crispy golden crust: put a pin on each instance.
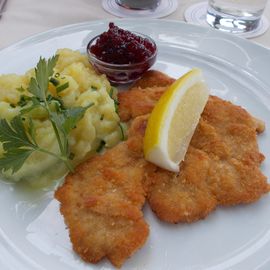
(184, 197)
(260, 125)
(101, 203)
(138, 101)
(220, 167)
(153, 78)
(142, 97)
(228, 135)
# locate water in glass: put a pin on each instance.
(235, 16)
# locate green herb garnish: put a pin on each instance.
(54, 81)
(114, 97)
(111, 92)
(62, 87)
(23, 100)
(122, 130)
(18, 136)
(101, 146)
(116, 105)
(20, 89)
(16, 143)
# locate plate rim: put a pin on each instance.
(101, 21)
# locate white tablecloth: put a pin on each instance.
(22, 18)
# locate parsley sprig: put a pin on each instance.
(18, 136)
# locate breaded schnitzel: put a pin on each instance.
(142, 97)
(101, 202)
(220, 167)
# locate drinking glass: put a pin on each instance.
(138, 4)
(235, 16)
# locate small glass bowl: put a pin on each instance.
(121, 73)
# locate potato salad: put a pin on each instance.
(88, 111)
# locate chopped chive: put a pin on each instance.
(23, 100)
(57, 102)
(50, 97)
(111, 93)
(54, 81)
(12, 105)
(102, 117)
(71, 156)
(57, 75)
(122, 130)
(62, 87)
(94, 88)
(20, 89)
(116, 105)
(101, 146)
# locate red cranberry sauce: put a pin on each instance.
(119, 46)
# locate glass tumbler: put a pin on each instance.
(138, 4)
(235, 16)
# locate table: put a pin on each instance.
(22, 18)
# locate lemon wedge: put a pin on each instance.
(174, 119)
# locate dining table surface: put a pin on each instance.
(23, 18)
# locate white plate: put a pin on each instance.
(32, 232)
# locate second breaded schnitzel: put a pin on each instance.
(144, 94)
(220, 167)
